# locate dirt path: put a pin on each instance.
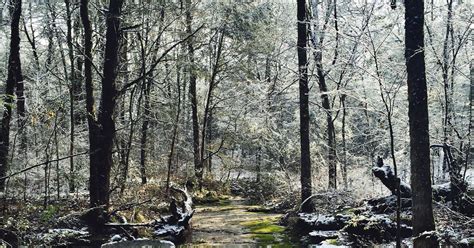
(230, 224)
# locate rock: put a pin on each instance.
(388, 204)
(442, 192)
(140, 243)
(116, 238)
(467, 242)
(308, 222)
(376, 227)
(66, 237)
(94, 218)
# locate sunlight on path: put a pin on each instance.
(230, 224)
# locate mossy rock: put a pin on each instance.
(378, 228)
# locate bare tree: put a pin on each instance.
(14, 78)
(418, 121)
(304, 107)
(198, 166)
(102, 129)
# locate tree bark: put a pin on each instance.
(304, 107)
(72, 100)
(14, 77)
(102, 130)
(198, 166)
(144, 129)
(145, 91)
(208, 109)
(101, 155)
(90, 113)
(31, 37)
(323, 88)
(20, 99)
(419, 124)
(344, 145)
(175, 128)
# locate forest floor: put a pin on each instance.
(225, 218)
(235, 223)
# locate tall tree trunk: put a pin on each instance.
(126, 140)
(127, 144)
(102, 130)
(419, 124)
(447, 130)
(50, 34)
(304, 107)
(175, 127)
(31, 37)
(344, 145)
(470, 150)
(89, 88)
(198, 167)
(20, 101)
(72, 78)
(330, 131)
(145, 91)
(144, 129)
(207, 108)
(388, 104)
(79, 94)
(13, 79)
(317, 42)
(101, 154)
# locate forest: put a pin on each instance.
(245, 123)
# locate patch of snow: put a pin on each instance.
(323, 233)
(68, 232)
(116, 238)
(168, 229)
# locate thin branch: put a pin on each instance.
(43, 163)
(163, 55)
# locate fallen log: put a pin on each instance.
(441, 192)
(174, 226)
(387, 177)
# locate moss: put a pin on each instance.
(273, 240)
(206, 198)
(49, 212)
(265, 225)
(139, 217)
(331, 241)
(266, 232)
